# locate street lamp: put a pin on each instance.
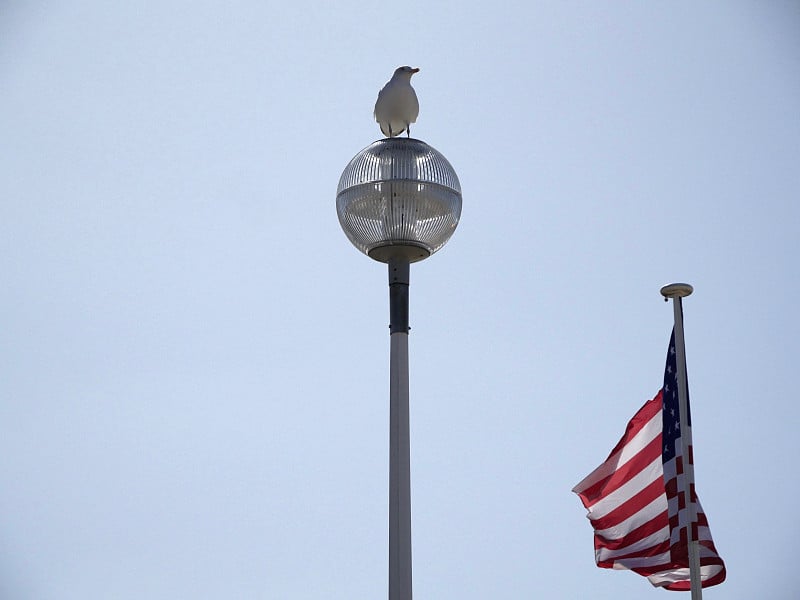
(399, 201)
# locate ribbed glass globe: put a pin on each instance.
(398, 197)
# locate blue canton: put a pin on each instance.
(671, 423)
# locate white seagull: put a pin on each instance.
(397, 105)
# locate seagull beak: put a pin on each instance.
(416, 70)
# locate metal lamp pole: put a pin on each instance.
(399, 201)
(399, 435)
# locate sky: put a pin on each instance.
(194, 359)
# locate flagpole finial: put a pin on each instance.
(676, 290)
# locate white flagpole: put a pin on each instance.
(676, 291)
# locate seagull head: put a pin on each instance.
(405, 72)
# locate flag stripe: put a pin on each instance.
(607, 514)
(650, 452)
(645, 425)
(630, 491)
(651, 517)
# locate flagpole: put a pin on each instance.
(677, 291)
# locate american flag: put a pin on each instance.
(635, 499)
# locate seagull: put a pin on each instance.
(397, 105)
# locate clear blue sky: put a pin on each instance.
(194, 359)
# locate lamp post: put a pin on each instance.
(399, 201)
